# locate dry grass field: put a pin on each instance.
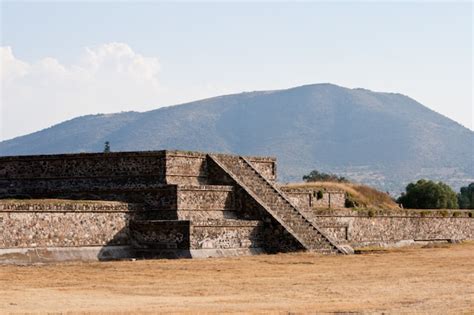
(438, 280)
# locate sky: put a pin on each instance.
(60, 60)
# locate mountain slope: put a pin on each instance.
(382, 139)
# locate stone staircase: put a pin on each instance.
(277, 205)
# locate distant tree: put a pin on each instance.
(426, 194)
(316, 176)
(466, 197)
(107, 147)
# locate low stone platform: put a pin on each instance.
(43, 230)
(177, 204)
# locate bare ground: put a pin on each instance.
(436, 280)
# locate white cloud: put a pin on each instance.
(10, 67)
(108, 78)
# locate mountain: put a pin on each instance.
(381, 139)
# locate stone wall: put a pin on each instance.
(212, 234)
(64, 223)
(73, 224)
(207, 202)
(186, 168)
(385, 228)
(308, 198)
(85, 165)
(59, 174)
(227, 234)
(59, 223)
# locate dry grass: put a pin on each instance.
(363, 196)
(422, 281)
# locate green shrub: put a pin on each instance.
(466, 197)
(349, 202)
(319, 194)
(316, 176)
(426, 194)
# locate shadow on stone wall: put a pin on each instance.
(173, 239)
(146, 205)
(135, 239)
(149, 239)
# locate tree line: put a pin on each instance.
(427, 194)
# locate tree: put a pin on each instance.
(426, 194)
(466, 197)
(316, 176)
(107, 147)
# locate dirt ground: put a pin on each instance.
(436, 280)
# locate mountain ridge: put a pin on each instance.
(378, 138)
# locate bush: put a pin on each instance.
(316, 176)
(426, 194)
(350, 202)
(320, 195)
(466, 197)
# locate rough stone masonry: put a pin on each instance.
(185, 204)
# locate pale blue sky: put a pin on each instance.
(197, 50)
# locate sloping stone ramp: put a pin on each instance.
(278, 205)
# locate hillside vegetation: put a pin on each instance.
(361, 196)
(385, 140)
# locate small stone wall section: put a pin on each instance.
(206, 198)
(212, 234)
(191, 168)
(53, 223)
(84, 165)
(309, 199)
